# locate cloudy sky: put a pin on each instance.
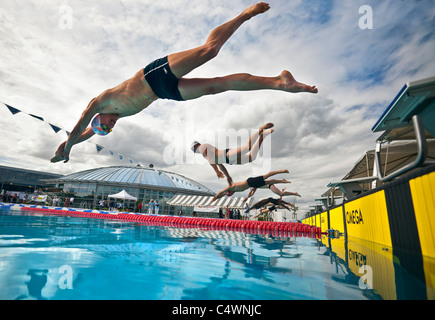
(57, 55)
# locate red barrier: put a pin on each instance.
(256, 227)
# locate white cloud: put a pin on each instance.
(54, 73)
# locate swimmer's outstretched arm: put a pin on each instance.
(216, 169)
(225, 172)
(61, 153)
(235, 187)
(210, 154)
(79, 134)
(250, 194)
(220, 194)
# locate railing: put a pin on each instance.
(421, 154)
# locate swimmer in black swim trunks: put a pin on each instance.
(275, 190)
(164, 78)
(246, 154)
(255, 182)
(273, 202)
(267, 211)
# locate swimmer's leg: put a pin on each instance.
(251, 154)
(283, 193)
(253, 139)
(184, 62)
(289, 193)
(276, 181)
(252, 143)
(272, 173)
(198, 87)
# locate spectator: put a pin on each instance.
(151, 206)
(156, 207)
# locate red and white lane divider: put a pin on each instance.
(248, 226)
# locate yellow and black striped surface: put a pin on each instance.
(392, 229)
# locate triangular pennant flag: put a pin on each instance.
(55, 128)
(12, 109)
(37, 117)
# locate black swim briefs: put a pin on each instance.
(161, 80)
(256, 182)
(227, 159)
(274, 201)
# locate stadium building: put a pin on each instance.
(89, 187)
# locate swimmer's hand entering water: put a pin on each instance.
(61, 154)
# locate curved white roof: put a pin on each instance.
(138, 175)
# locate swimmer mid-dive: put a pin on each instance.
(255, 182)
(266, 212)
(274, 202)
(274, 189)
(242, 155)
(164, 78)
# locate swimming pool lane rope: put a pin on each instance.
(249, 226)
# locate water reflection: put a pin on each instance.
(38, 280)
(124, 260)
(388, 274)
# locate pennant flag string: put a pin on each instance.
(12, 109)
(99, 148)
(56, 129)
(39, 118)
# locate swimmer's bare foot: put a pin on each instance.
(57, 158)
(257, 8)
(266, 126)
(288, 83)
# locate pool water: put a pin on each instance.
(60, 257)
